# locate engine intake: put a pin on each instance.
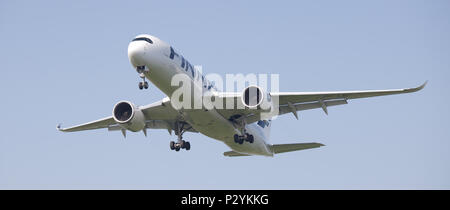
(252, 96)
(129, 116)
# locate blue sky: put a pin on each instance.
(66, 62)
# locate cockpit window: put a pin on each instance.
(143, 39)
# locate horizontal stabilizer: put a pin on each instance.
(233, 154)
(282, 148)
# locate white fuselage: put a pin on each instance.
(162, 63)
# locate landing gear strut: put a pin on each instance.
(240, 123)
(180, 144)
(143, 84)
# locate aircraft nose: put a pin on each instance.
(137, 53)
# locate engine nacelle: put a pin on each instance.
(129, 116)
(252, 97)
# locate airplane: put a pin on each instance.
(244, 131)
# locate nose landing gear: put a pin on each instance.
(143, 84)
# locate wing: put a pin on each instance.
(291, 102)
(301, 97)
(159, 115)
(101, 123)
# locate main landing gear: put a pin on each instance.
(240, 123)
(180, 144)
(240, 139)
(143, 84)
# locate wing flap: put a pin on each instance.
(309, 105)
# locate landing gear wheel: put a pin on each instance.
(141, 86)
(177, 149)
(236, 138)
(183, 144)
(146, 85)
(250, 139)
(241, 141)
(172, 145)
(187, 146)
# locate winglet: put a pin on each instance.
(58, 127)
(410, 90)
(422, 86)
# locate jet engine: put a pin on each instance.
(252, 97)
(129, 116)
